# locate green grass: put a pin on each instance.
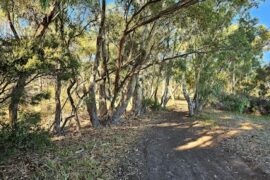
(226, 115)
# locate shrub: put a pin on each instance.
(231, 102)
(39, 97)
(27, 135)
(153, 105)
(259, 105)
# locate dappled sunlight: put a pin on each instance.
(178, 105)
(208, 139)
(232, 133)
(201, 142)
(197, 124)
(210, 129)
(249, 126)
(212, 137)
(58, 138)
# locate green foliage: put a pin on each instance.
(262, 80)
(232, 102)
(26, 136)
(44, 3)
(152, 104)
(259, 105)
(39, 97)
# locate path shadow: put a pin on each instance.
(174, 146)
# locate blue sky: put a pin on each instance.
(263, 15)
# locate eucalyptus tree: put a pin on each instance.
(262, 82)
(135, 18)
(224, 44)
(130, 38)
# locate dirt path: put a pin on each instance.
(172, 148)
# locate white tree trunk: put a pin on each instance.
(137, 98)
(165, 97)
(191, 105)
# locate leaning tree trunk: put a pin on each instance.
(137, 98)
(74, 112)
(74, 109)
(16, 95)
(58, 111)
(120, 109)
(188, 99)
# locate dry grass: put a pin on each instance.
(94, 154)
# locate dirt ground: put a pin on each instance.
(164, 145)
(177, 147)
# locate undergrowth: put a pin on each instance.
(93, 155)
(25, 136)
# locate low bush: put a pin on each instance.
(152, 104)
(259, 105)
(242, 103)
(237, 103)
(27, 135)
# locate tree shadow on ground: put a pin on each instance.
(157, 145)
(177, 147)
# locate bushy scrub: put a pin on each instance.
(242, 103)
(27, 135)
(231, 102)
(259, 105)
(152, 104)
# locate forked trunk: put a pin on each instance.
(120, 109)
